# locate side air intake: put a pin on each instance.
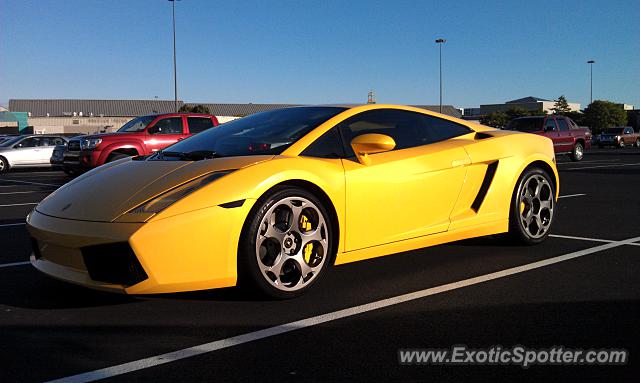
(484, 188)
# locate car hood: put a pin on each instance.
(105, 135)
(111, 190)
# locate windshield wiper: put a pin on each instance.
(195, 155)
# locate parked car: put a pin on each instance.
(271, 200)
(32, 150)
(57, 158)
(567, 136)
(619, 137)
(141, 136)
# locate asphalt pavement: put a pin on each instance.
(579, 289)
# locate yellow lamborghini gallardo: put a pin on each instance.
(270, 201)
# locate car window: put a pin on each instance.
(408, 129)
(199, 124)
(28, 143)
(171, 125)
(550, 124)
(562, 123)
(329, 145)
(57, 141)
(137, 124)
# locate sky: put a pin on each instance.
(314, 52)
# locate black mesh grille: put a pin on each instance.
(113, 263)
(36, 248)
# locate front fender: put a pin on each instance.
(129, 144)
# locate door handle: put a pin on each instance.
(462, 162)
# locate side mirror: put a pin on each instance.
(371, 143)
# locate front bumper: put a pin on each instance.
(190, 251)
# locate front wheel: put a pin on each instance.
(638, 143)
(532, 207)
(116, 156)
(578, 152)
(621, 144)
(4, 165)
(286, 243)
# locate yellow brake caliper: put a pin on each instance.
(305, 225)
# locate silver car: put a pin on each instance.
(33, 150)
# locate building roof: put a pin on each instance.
(525, 100)
(111, 108)
(130, 108)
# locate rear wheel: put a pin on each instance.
(286, 244)
(578, 152)
(4, 165)
(532, 207)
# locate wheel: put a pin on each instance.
(578, 152)
(621, 144)
(638, 143)
(285, 245)
(532, 207)
(116, 156)
(4, 165)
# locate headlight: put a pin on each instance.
(90, 143)
(166, 199)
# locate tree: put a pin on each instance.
(516, 111)
(194, 109)
(497, 119)
(604, 114)
(561, 106)
(577, 117)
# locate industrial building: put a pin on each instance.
(94, 116)
(528, 103)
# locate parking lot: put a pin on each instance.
(579, 289)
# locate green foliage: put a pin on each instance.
(194, 109)
(516, 112)
(604, 114)
(496, 119)
(561, 106)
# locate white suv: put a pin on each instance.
(33, 150)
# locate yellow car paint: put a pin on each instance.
(396, 200)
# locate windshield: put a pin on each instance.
(612, 131)
(10, 141)
(137, 124)
(526, 124)
(262, 133)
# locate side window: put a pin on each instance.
(550, 124)
(57, 141)
(328, 145)
(28, 143)
(439, 129)
(171, 125)
(199, 124)
(408, 129)
(562, 123)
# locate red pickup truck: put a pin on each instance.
(568, 138)
(140, 136)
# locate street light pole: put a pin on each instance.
(590, 62)
(175, 71)
(440, 42)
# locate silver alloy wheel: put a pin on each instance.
(1, 166)
(578, 152)
(536, 204)
(292, 243)
(638, 143)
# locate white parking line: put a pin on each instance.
(14, 264)
(28, 182)
(20, 204)
(565, 196)
(323, 318)
(602, 166)
(588, 239)
(12, 224)
(585, 162)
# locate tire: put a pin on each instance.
(638, 143)
(621, 144)
(532, 211)
(116, 156)
(281, 254)
(577, 153)
(4, 165)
